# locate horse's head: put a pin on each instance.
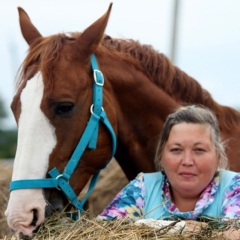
(52, 108)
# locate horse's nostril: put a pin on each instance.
(36, 229)
(35, 218)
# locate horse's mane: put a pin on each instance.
(44, 52)
(171, 79)
(161, 71)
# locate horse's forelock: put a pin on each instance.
(42, 56)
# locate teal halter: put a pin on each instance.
(88, 139)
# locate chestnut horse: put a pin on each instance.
(55, 103)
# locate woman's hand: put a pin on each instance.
(196, 226)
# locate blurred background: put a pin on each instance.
(201, 37)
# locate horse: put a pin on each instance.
(68, 82)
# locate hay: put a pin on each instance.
(90, 228)
(59, 227)
(5, 176)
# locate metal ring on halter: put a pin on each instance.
(91, 109)
(95, 77)
(57, 177)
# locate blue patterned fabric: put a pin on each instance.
(130, 202)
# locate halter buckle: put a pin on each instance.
(99, 80)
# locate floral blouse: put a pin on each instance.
(131, 200)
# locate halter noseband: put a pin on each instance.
(88, 139)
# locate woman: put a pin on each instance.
(191, 183)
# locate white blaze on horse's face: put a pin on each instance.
(36, 140)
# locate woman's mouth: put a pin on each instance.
(187, 174)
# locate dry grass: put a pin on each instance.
(5, 176)
(59, 227)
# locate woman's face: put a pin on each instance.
(189, 159)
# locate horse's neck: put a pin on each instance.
(141, 108)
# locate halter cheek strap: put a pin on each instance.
(88, 139)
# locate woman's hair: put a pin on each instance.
(193, 114)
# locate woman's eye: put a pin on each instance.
(64, 108)
(199, 150)
(175, 150)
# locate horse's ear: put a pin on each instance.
(29, 31)
(92, 36)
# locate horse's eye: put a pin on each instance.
(63, 109)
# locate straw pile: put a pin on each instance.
(5, 176)
(59, 227)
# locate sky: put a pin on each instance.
(207, 36)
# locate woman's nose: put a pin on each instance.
(187, 159)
